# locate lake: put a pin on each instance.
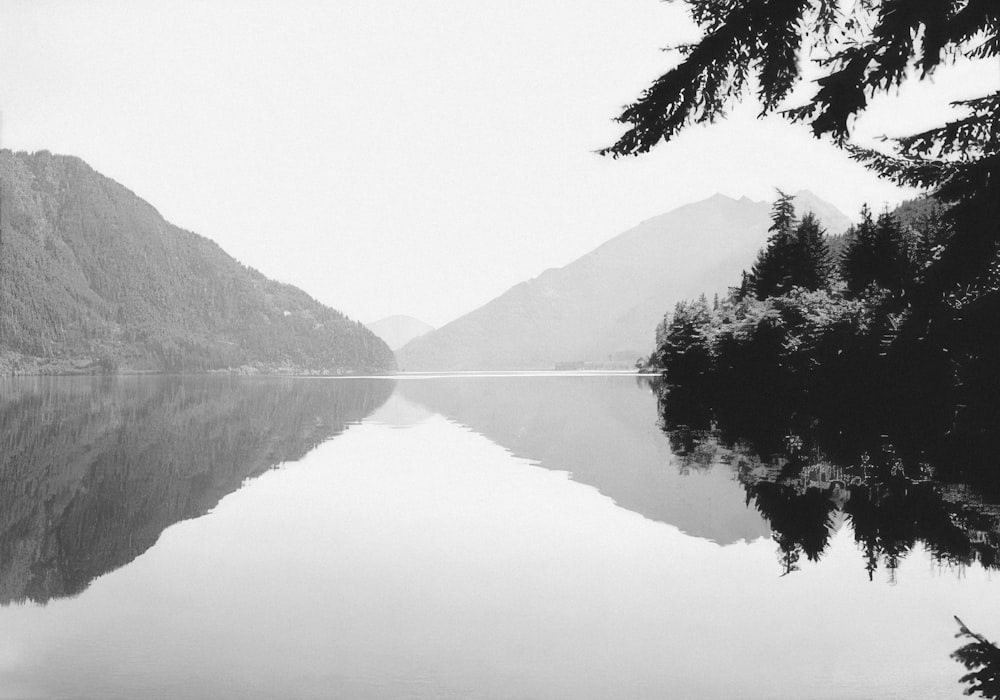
(494, 536)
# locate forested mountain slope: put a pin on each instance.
(602, 307)
(92, 277)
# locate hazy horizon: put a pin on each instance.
(402, 159)
(336, 360)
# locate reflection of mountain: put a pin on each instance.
(603, 431)
(94, 469)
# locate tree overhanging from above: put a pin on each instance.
(865, 47)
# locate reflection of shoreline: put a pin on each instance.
(892, 504)
(93, 469)
(601, 429)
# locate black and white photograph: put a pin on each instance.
(499, 349)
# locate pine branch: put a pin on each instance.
(982, 658)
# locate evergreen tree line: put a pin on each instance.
(856, 351)
(887, 253)
(906, 325)
(822, 322)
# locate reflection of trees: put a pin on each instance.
(92, 470)
(899, 483)
(801, 520)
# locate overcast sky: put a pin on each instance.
(400, 156)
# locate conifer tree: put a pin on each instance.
(744, 289)
(783, 212)
(866, 49)
(981, 658)
(893, 254)
(877, 252)
(796, 254)
(930, 234)
(771, 273)
(811, 268)
(857, 264)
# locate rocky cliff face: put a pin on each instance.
(92, 277)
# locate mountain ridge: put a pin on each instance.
(601, 309)
(92, 278)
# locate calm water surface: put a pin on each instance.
(440, 537)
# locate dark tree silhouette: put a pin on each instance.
(876, 252)
(796, 254)
(771, 273)
(783, 212)
(868, 48)
(982, 659)
(685, 351)
(812, 262)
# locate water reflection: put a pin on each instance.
(899, 480)
(431, 562)
(92, 470)
(603, 431)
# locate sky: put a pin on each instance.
(403, 157)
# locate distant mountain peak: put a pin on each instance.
(832, 218)
(601, 309)
(399, 329)
(724, 199)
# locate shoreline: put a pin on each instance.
(17, 365)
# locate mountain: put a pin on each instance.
(92, 277)
(834, 221)
(602, 308)
(602, 432)
(397, 331)
(111, 462)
